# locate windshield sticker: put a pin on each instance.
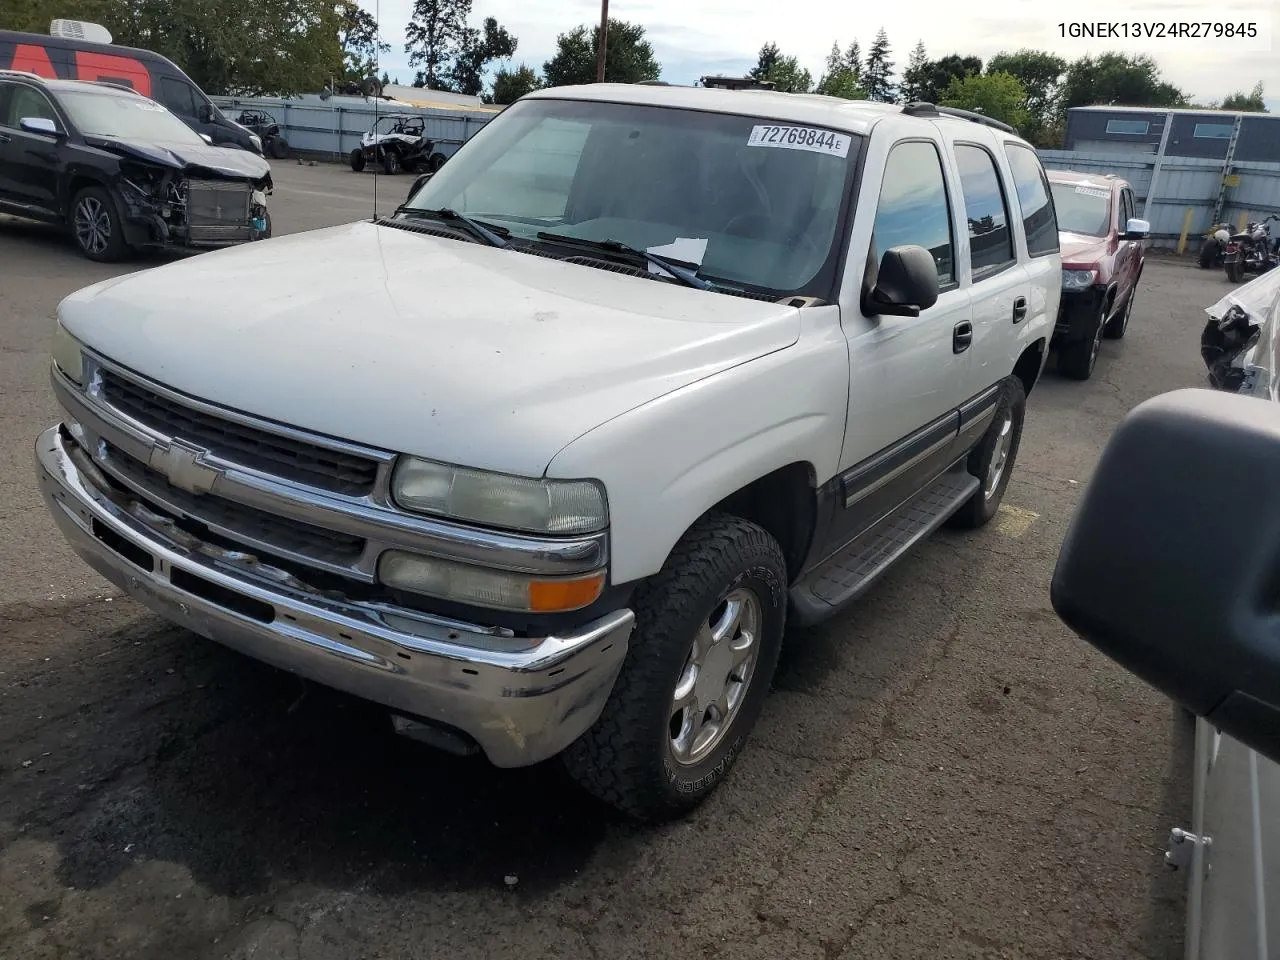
(800, 138)
(1093, 192)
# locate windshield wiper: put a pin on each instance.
(474, 227)
(683, 274)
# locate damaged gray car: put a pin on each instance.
(121, 172)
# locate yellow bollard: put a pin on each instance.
(1244, 222)
(1186, 228)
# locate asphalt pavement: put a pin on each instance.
(943, 772)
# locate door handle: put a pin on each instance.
(961, 336)
(1019, 309)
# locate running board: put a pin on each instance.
(843, 577)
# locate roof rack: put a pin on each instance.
(116, 86)
(736, 83)
(652, 83)
(20, 73)
(920, 108)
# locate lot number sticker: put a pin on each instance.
(800, 138)
(1094, 192)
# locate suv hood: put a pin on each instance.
(189, 157)
(1078, 248)
(419, 344)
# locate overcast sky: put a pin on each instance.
(696, 37)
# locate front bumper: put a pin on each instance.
(1077, 311)
(519, 705)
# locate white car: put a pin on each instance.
(546, 462)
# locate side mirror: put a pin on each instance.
(1171, 565)
(905, 283)
(39, 125)
(1136, 229)
(205, 112)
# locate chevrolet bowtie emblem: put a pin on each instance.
(185, 467)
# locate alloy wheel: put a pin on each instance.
(92, 225)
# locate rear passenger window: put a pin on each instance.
(913, 207)
(990, 239)
(178, 97)
(1038, 218)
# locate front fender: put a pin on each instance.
(666, 463)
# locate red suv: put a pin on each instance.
(1102, 259)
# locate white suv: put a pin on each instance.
(546, 461)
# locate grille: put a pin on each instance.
(270, 453)
(281, 533)
(217, 202)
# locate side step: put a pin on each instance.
(843, 577)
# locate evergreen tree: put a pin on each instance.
(877, 75)
(914, 77)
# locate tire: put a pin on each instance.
(265, 234)
(279, 148)
(1077, 358)
(1235, 271)
(992, 460)
(630, 758)
(357, 160)
(1118, 325)
(96, 227)
(435, 162)
(390, 162)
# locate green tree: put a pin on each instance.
(915, 75)
(853, 59)
(933, 77)
(1040, 74)
(839, 79)
(476, 50)
(877, 73)
(789, 77)
(358, 37)
(33, 16)
(765, 62)
(1249, 102)
(433, 37)
(628, 56)
(997, 95)
(1117, 78)
(510, 85)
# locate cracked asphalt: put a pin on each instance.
(943, 772)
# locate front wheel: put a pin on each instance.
(992, 460)
(1077, 358)
(390, 161)
(1210, 250)
(1118, 325)
(1235, 271)
(96, 226)
(708, 630)
(357, 160)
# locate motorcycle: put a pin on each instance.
(1252, 250)
(1213, 251)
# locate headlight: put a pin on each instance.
(1077, 279)
(256, 141)
(67, 355)
(500, 500)
(485, 587)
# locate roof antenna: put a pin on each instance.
(377, 73)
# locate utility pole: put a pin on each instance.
(604, 34)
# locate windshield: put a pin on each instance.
(754, 202)
(125, 117)
(1083, 208)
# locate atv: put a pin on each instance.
(268, 128)
(398, 142)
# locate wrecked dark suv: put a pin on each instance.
(121, 172)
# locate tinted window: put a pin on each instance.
(25, 102)
(1214, 131)
(913, 207)
(125, 116)
(1130, 127)
(990, 239)
(1034, 203)
(178, 97)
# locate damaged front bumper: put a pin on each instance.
(195, 213)
(1077, 312)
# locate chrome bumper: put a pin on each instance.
(521, 705)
